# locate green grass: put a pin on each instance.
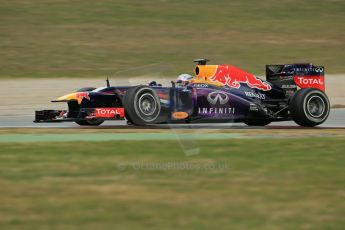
(86, 38)
(274, 184)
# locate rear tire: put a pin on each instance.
(309, 107)
(89, 122)
(142, 106)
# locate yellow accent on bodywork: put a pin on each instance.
(179, 115)
(205, 72)
(69, 97)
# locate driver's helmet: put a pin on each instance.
(184, 79)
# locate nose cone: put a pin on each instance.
(79, 96)
(67, 97)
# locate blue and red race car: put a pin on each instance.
(216, 93)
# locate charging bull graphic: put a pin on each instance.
(233, 76)
(81, 96)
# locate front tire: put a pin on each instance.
(142, 106)
(309, 107)
(89, 122)
(258, 122)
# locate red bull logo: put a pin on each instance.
(233, 77)
(82, 95)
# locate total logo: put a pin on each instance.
(109, 112)
(310, 82)
(303, 80)
(217, 97)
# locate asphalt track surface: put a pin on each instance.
(336, 119)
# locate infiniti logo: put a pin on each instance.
(217, 97)
(319, 69)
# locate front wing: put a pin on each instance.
(82, 114)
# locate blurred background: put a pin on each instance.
(83, 178)
(87, 38)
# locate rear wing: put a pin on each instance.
(290, 77)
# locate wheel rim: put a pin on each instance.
(316, 106)
(147, 104)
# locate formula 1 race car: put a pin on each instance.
(216, 93)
